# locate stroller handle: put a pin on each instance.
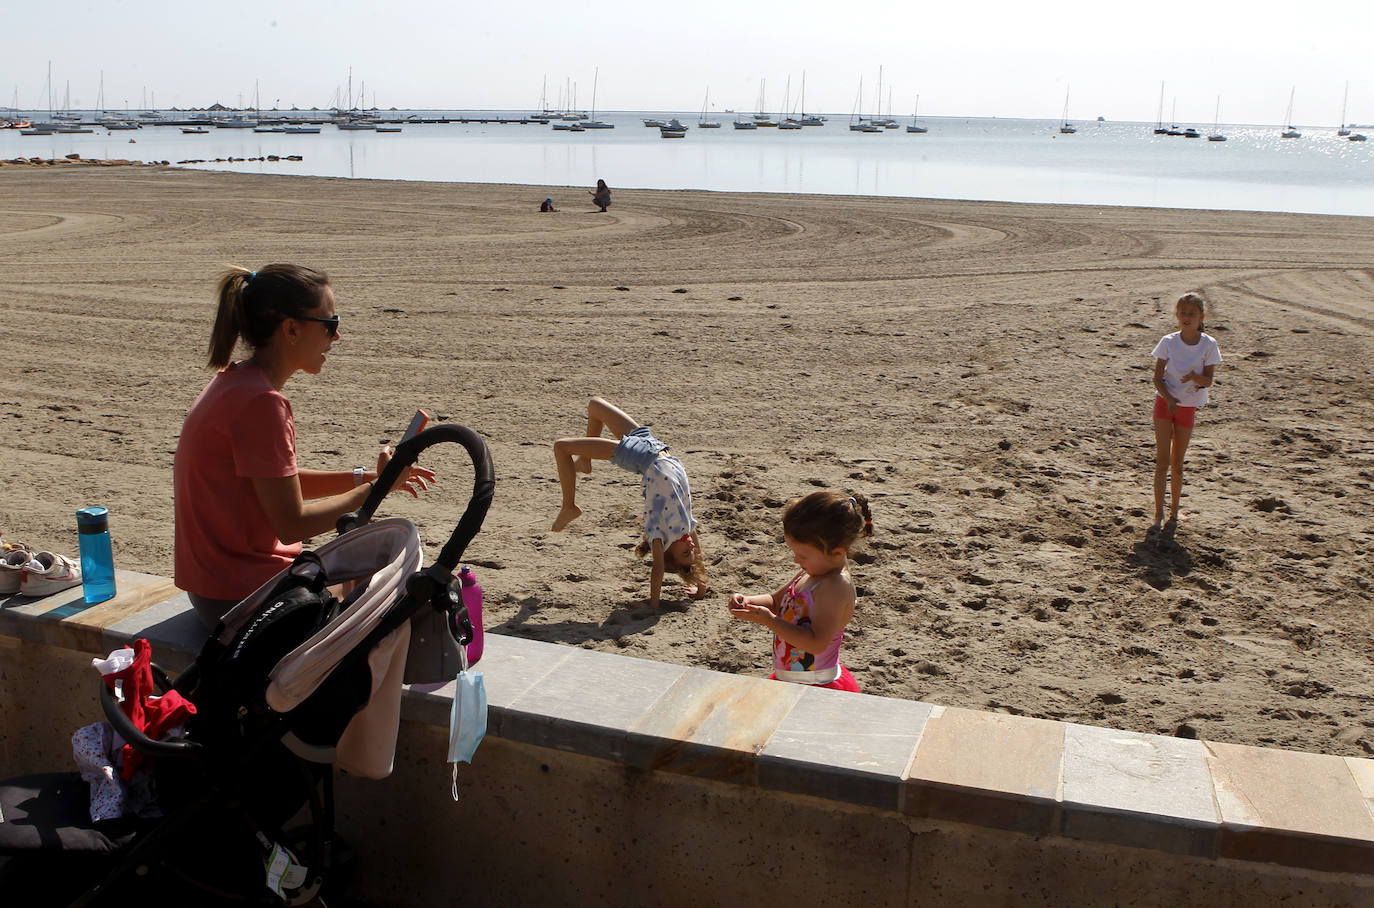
(407, 452)
(134, 735)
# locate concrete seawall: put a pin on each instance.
(609, 780)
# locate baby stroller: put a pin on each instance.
(292, 682)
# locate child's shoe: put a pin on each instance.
(53, 574)
(11, 566)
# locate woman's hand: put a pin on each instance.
(414, 480)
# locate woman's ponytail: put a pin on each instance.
(253, 303)
(229, 318)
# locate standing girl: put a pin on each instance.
(809, 613)
(670, 532)
(1184, 362)
(242, 505)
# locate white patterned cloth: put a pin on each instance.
(92, 746)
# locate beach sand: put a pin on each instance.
(980, 370)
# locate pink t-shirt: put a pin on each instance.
(240, 428)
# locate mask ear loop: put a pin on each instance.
(463, 663)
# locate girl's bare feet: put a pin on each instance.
(566, 516)
(582, 464)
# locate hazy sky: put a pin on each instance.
(971, 58)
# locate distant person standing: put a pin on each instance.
(602, 196)
(547, 205)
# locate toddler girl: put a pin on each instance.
(809, 613)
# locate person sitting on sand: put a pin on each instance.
(547, 205)
(809, 613)
(1184, 362)
(602, 196)
(241, 504)
(670, 532)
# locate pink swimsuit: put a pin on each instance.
(797, 665)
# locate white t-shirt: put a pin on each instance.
(667, 501)
(1180, 359)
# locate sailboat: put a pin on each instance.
(742, 122)
(857, 121)
(878, 119)
(1159, 115)
(1289, 131)
(808, 119)
(545, 114)
(761, 117)
(1067, 128)
(592, 122)
(788, 121)
(916, 126)
(888, 122)
(1343, 131)
(704, 123)
(1216, 135)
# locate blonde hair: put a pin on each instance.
(695, 572)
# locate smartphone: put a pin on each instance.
(417, 423)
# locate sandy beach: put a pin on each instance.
(980, 370)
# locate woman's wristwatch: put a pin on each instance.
(359, 476)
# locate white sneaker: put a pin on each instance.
(52, 575)
(11, 566)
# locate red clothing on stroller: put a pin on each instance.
(151, 714)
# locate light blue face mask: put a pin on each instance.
(467, 722)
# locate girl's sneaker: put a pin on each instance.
(53, 575)
(11, 566)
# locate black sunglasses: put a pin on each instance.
(332, 322)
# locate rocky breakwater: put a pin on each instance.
(231, 160)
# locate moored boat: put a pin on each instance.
(915, 126)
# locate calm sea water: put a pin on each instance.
(992, 159)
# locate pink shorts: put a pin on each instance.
(1183, 416)
(844, 682)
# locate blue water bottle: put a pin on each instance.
(97, 558)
